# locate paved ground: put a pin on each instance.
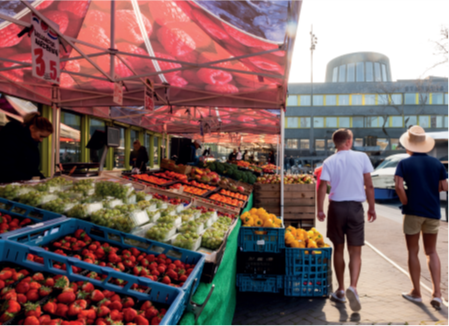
(380, 288)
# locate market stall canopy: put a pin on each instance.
(238, 138)
(195, 53)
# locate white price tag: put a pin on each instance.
(260, 242)
(44, 51)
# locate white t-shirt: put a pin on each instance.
(344, 170)
(239, 156)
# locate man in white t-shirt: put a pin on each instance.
(349, 175)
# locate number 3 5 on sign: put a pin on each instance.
(44, 51)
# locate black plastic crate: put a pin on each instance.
(261, 263)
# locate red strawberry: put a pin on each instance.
(172, 274)
(113, 258)
(128, 302)
(223, 89)
(50, 307)
(129, 314)
(32, 309)
(67, 296)
(151, 312)
(108, 294)
(135, 251)
(44, 319)
(166, 280)
(25, 222)
(61, 310)
(88, 314)
(31, 320)
(103, 311)
(116, 315)
(100, 321)
(23, 287)
(129, 30)
(76, 8)
(76, 307)
(21, 298)
(35, 285)
(95, 35)
(38, 277)
(32, 295)
(12, 307)
(44, 291)
(146, 305)
(8, 36)
(61, 282)
(59, 17)
(156, 320)
(87, 287)
(49, 282)
(97, 295)
(140, 320)
(116, 305)
(115, 297)
(182, 278)
(5, 274)
(175, 41)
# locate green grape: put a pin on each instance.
(9, 191)
(168, 211)
(212, 239)
(59, 181)
(32, 198)
(186, 240)
(186, 218)
(190, 226)
(224, 220)
(78, 211)
(127, 208)
(58, 205)
(159, 232)
(42, 187)
(113, 189)
(167, 219)
(84, 189)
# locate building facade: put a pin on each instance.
(359, 94)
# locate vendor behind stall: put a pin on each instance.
(20, 157)
(139, 157)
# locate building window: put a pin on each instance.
(424, 121)
(319, 144)
(331, 122)
(396, 121)
(292, 122)
(382, 99)
(445, 121)
(357, 122)
(317, 100)
(330, 144)
(371, 122)
(147, 140)
(377, 75)
(396, 99)
(445, 98)
(437, 98)
(343, 100)
(395, 145)
(410, 98)
(341, 74)
(95, 155)
(292, 100)
(382, 143)
(119, 152)
(351, 73)
(436, 121)
(292, 143)
(410, 120)
(304, 122)
(424, 98)
(360, 72)
(134, 136)
(384, 73)
(369, 72)
(370, 99)
(318, 122)
(358, 142)
(331, 100)
(304, 100)
(344, 122)
(304, 144)
(69, 138)
(356, 99)
(335, 75)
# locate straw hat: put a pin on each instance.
(416, 140)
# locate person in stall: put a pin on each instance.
(246, 156)
(139, 157)
(233, 155)
(193, 149)
(239, 155)
(206, 152)
(271, 158)
(19, 147)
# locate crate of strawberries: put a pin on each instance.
(38, 294)
(86, 242)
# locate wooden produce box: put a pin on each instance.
(168, 165)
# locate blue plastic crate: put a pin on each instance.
(312, 284)
(260, 283)
(299, 261)
(17, 253)
(21, 211)
(49, 232)
(257, 239)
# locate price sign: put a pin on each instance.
(44, 51)
(149, 100)
(118, 94)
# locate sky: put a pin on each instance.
(400, 29)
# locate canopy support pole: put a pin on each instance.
(282, 161)
(112, 54)
(56, 117)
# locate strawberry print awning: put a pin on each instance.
(202, 54)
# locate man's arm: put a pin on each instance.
(369, 190)
(322, 189)
(443, 185)
(399, 186)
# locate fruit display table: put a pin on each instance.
(221, 306)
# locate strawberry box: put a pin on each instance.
(75, 295)
(113, 250)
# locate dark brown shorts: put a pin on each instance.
(346, 217)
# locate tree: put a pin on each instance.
(441, 48)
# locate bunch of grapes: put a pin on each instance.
(127, 208)
(69, 195)
(42, 187)
(143, 204)
(113, 189)
(190, 226)
(59, 205)
(141, 195)
(153, 215)
(220, 226)
(186, 240)
(212, 239)
(59, 181)
(191, 211)
(123, 223)
(167, 219)
(159, 203)
(224, 220)
(84, 189)
(9, 191)
(159, 232)
(186, 217)
(111, 202)
(32, 198)
(168, 211)
(78, 211)
(85, 182)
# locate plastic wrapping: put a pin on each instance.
(212, 239)
(161, 232)
(36, 198)
(84, 211)
(59, 205)
(143, 196)
(153, 215)
(190, 241)
(191, 227)
(172, 219)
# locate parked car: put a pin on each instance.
(383, 177)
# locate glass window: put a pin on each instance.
(331, 122)
(305, 100)
(360, 72)
(410, 98)
(371, 122)
(319, 144)
(292, 143)
(304, 122)
(318, 122)
(424, 121)
(357, 122)
(396, 121)
(369, 72)
(445, 98)
(341, 73)
(292, 122)
(351, 72)
(382, 122)
(147, 140)
(330, 144)
(134, 136)
(382, 99)
(395, 145)
(119, 152)
(335, 75)
(356, 99)
(331, 100)
(305, 143)
(445, 121)
(410, 120)
(344, 122)
(317, 100)
(377, 75)
(358, 142)
(396, 99)
(343, 100)
(155, 150)
(292, 100)
(370, 99)
(69, 138)
(424, 98)
(95, 155)
(437, 98)
(384, 73)
(436, 121)
(382, 143)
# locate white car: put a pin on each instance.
(383, 177)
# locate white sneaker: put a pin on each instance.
(354, 301)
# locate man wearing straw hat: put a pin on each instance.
(425, 178)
